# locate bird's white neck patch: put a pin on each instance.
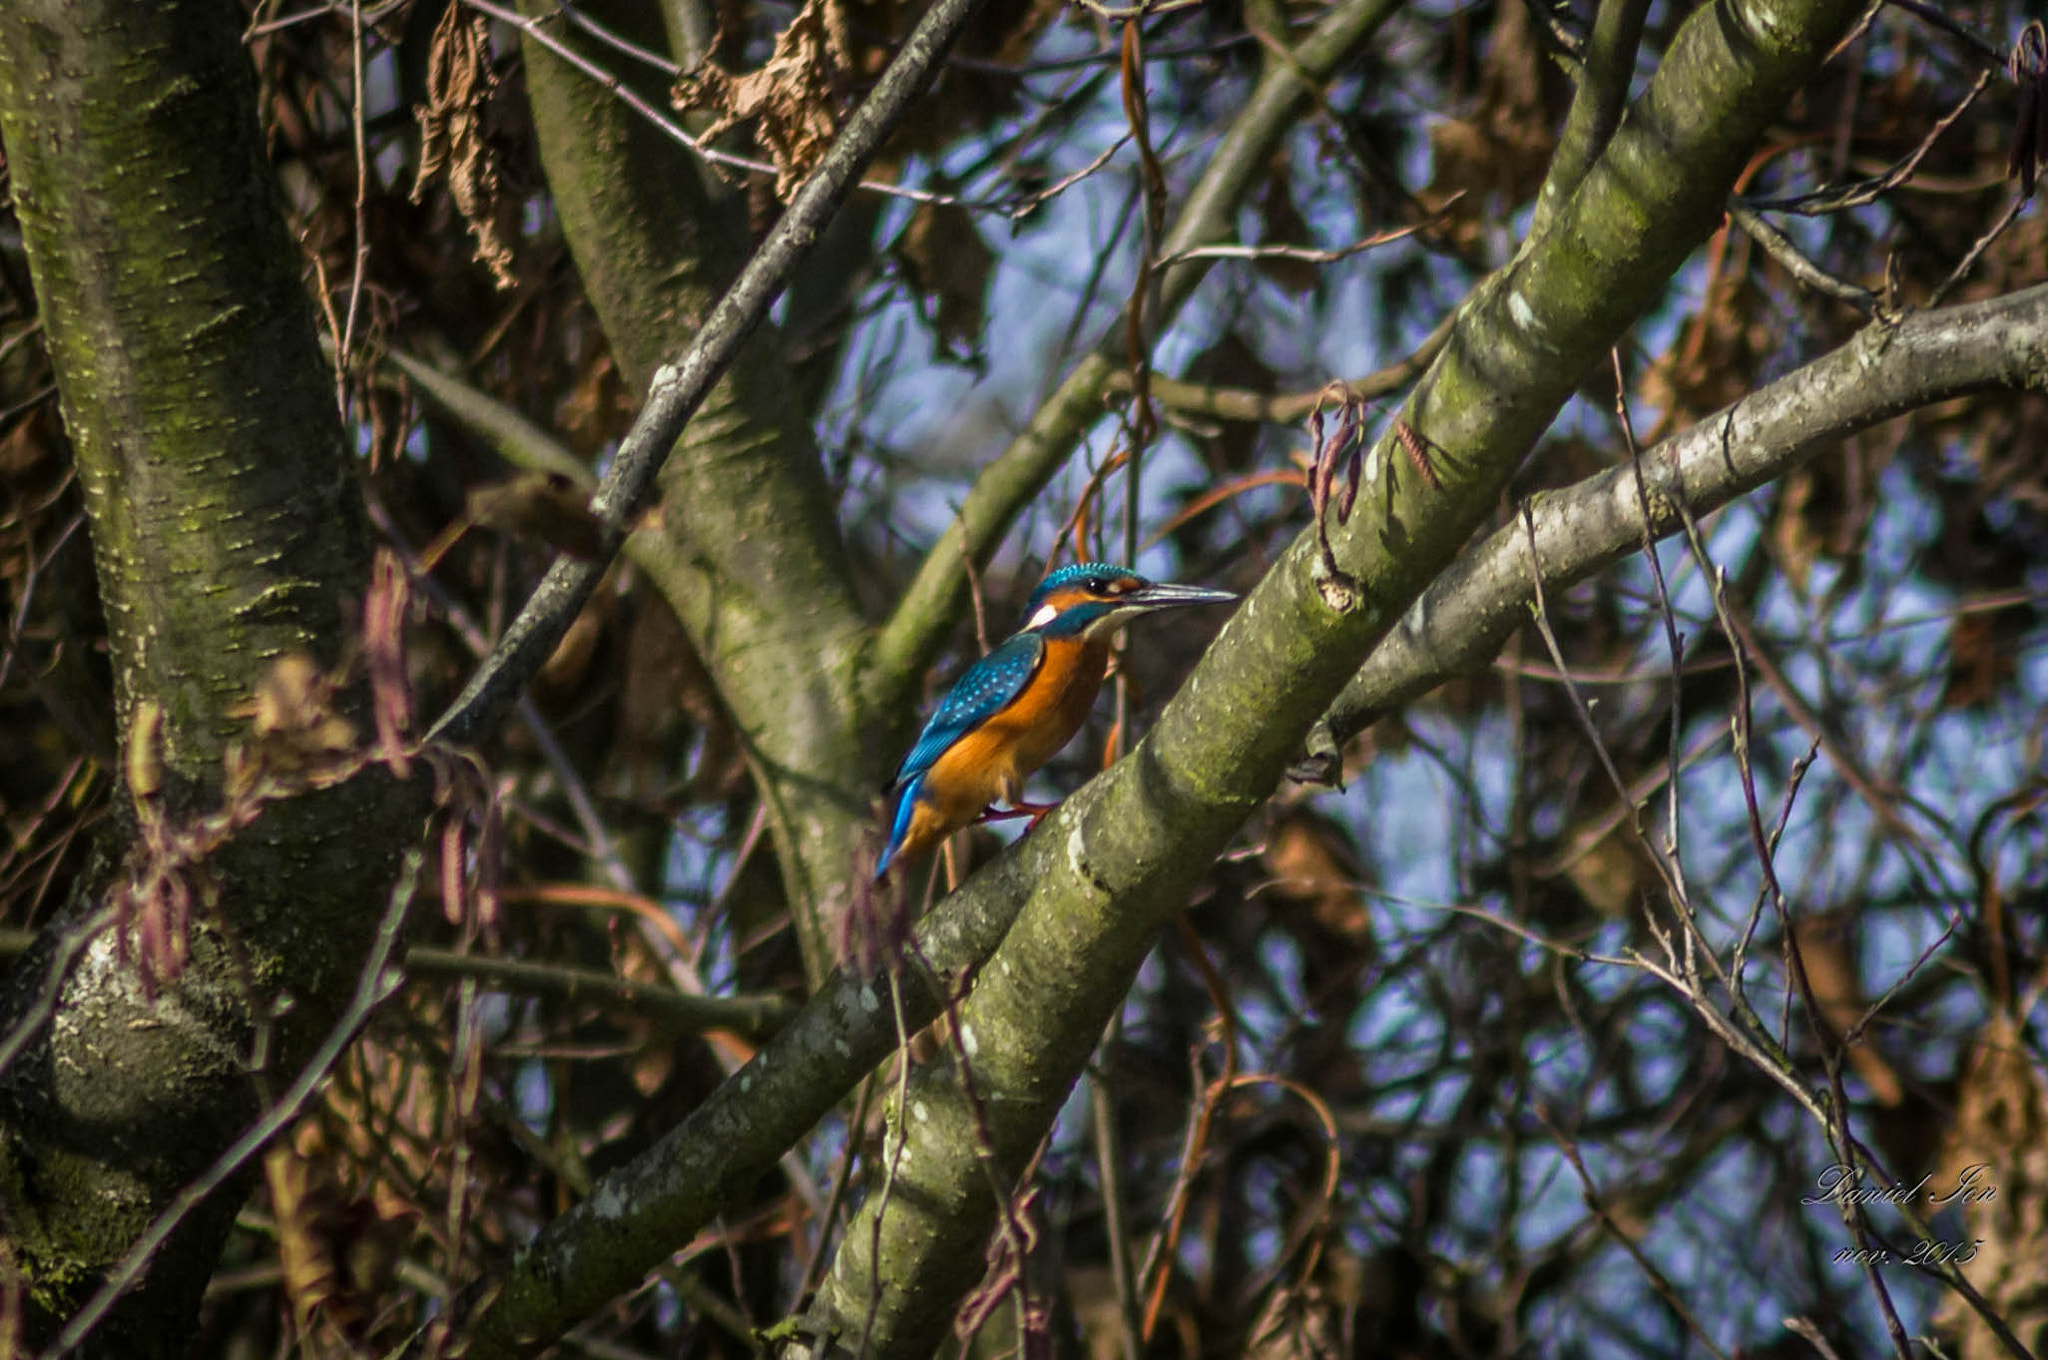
(1046, 614)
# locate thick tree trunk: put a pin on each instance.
(227, 531)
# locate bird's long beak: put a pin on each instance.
(1167, 595)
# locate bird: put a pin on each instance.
(1013, 710)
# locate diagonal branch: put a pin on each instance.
(678, 388)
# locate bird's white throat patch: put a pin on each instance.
(1110, 622)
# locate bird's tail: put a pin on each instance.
(899, 828)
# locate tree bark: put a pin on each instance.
(227, 530)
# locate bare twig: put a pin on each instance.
(1310, 254)
(1779, 247)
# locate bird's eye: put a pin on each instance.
(1100, 585)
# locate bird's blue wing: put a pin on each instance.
(981, 691)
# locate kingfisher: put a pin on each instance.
(1013, 710)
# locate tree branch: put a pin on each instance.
(227, 530)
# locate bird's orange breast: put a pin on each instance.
(993, 761)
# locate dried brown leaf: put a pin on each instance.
(1314, 867)
(293, 716)
(1497, 156)
(2028, 66)
(1792, 531)
(1838, 993)
(1981, 661)
(567, 665)
(295, 1204)
(384, 613)
(453, 144)
(795, 100)
(1611, 875)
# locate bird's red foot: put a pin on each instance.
(1035, 811)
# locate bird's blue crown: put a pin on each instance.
(1080, 574)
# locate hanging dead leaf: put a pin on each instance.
(794, 100)
(293, 715)
(1791, 531)
(1705, 370)
(294, 1207)
(1314, 868)
(1838, 994)
(1980, 661)
(33, 443)
(338, 1253)
(2028, 66)
(453, 144)
(1611, 875)
(569, 663)
(596, 409)
(1497, 157)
